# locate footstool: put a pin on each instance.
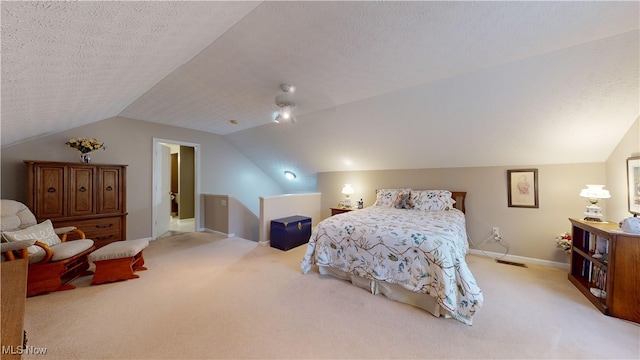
(118, 261)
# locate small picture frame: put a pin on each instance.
(633, 184)
(523, 188)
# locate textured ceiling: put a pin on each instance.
(380, 85)
(66, 64)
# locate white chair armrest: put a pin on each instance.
(16, 245)
(64, 230)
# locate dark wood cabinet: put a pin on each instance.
(47, 186)
(91, 197)
(110, 189)
(605, 267)
(81, 192)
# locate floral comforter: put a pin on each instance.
(422, 251)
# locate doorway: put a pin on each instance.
(175, 187)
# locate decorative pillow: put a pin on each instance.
(388, 197)
(42, 232)
(432, 200)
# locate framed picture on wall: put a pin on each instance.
(633, 184)
(523, 188)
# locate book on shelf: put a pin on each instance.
(586, 268)
(599, 277)
(592, 243)
(595, 274)
(585, 240)
(589, 242)
(595, 244)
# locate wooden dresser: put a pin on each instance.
(91, 197)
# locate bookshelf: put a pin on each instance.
(605, 267)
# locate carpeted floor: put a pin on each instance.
(207, 297)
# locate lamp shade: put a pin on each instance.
(347, 189)
(595, 192)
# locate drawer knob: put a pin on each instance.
(109, 188)
(104, 226)
(51, 189)
(82, 189)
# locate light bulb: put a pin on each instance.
(286, 113)
(289, 175)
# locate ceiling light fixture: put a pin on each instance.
(285, 102)
(289, 175)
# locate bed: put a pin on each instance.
(415, 256)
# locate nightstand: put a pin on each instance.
(336, 211)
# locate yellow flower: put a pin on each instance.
(85, 145)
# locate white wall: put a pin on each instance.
(279, 206)
(224, 170)
(616, 182)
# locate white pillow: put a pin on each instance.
(387, 197)
(432, 200)
(42, 232)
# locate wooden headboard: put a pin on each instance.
(459, 197)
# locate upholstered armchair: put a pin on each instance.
(54, 262)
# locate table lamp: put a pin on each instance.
(347, 190)
(593, 193)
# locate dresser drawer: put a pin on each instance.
(101, 231)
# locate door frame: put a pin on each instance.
(156, 169)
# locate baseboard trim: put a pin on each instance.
(218, 233)
(522, 259)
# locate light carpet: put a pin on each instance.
(208, 297)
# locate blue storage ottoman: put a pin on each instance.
(290, 232)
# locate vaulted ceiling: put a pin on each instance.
(379, 85)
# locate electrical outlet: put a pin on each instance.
(496, 232)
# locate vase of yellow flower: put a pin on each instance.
(564, 242)
(85, 146)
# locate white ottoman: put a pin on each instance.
(118, 261)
